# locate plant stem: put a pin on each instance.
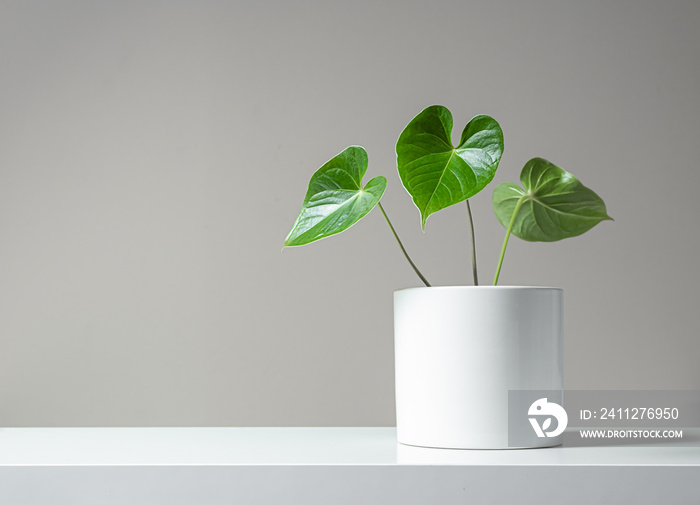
(505, 241)
(403, 249)
(471, 229)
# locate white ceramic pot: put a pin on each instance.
(459, 350)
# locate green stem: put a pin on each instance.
(471, 229)
(505, 241)
(403, 249)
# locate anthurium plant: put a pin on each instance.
(551, 204)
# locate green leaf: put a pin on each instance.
(552, 204)
(336, 199)
(434, 172)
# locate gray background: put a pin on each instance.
(154, 155)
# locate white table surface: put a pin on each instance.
(293, 446)
(324, 465)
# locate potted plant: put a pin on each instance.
(460, 349)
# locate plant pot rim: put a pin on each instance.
(480, 288)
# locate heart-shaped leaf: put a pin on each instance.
(552, 204)
(434, 172)
(336, 199)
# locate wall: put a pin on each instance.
(153, 156)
